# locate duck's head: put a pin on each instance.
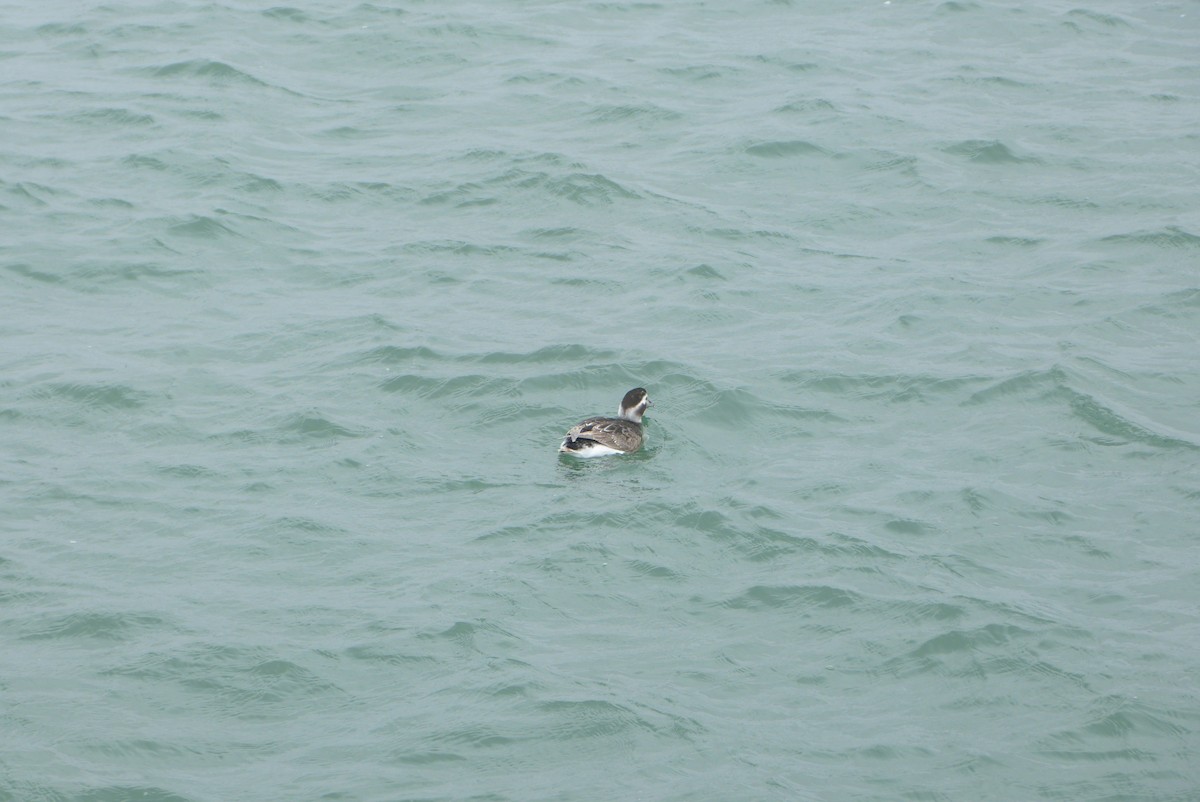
(634, 404)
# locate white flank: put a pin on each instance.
(596, 450)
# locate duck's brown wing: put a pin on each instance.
(623, 435)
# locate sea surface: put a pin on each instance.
(296, 302)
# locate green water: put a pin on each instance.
(297, 301)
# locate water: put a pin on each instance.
(297, 301)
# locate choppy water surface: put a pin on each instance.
(297, 300)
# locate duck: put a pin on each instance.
(600, 437)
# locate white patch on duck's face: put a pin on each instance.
(635, 414)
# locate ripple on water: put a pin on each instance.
(1118, 425)
(229, 681)
(216, 73)
(1105, 731)
(801, 597)
(92, 626)
(125, 793)
(1023, 382)
(556, 180)
(643, 116)
(786, 149)
(1168, 238)
(988, 152)
(100, 397)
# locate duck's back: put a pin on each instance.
(610, 434)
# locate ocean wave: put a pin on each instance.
(214, 72)
(97, 396)
(988, 152)
(1170, 237)
(103, 626)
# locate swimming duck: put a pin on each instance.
(597, 437)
